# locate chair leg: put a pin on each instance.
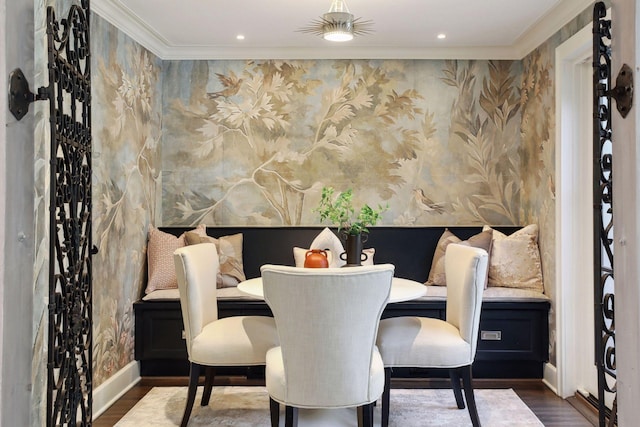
(290, 416)
(365, 415)
(465, 372)
(454, 374)
(209, 376)
(274, 410)
(194, 376)
(384, 422)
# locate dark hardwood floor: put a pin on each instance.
(548, 407)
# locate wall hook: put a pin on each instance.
(20, 96)
(623, 92)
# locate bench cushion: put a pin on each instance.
(434, 293)
(439, 293)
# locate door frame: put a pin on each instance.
(572, 154)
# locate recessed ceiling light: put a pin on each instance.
(442, 36)
(239, 37)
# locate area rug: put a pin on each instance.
(249, 407)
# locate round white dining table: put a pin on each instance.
(401, 289)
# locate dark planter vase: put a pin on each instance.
(353, 249)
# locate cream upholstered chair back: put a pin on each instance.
(196, 270)
(213, 342)
(327, 321)
(466, 273)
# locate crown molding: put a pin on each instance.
(549, 24)
(132, 25)
(369, 52)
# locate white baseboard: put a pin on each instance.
(112, 389)
(550, 377)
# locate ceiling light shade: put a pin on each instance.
(338, 24)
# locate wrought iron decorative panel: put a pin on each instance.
(604, 296)
(69, 370)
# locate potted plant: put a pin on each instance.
(351, 225)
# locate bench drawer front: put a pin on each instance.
(512, 335)
(160, 335)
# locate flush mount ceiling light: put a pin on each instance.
(338, 25)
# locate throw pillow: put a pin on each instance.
(515, 260)
(161, 270)
(481, 240)
(369, 252)
(230, 254)
(329, 241)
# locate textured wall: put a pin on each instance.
(18, 242)
(538, 153)
(254, 142)
(126, 120)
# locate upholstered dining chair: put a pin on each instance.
(327, 320)
(213, 342)
(450, 344)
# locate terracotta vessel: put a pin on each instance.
(316, 258)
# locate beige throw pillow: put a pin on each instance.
(515, 260)
(327, 240)
(369, 252)
(481, 240)
(230, 254)
(160, 267)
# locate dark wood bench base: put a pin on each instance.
(514, 336)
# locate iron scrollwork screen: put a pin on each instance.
(603, 217)
(69, 368)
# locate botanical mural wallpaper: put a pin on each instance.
(456, 142)
(538, 162)
(253, 142)
(537, 154)
(126, 162)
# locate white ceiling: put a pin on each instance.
(207, 29)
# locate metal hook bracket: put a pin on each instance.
(623, 92)
(20, 96)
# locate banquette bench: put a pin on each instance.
(514, 333)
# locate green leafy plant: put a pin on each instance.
(341, 212)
